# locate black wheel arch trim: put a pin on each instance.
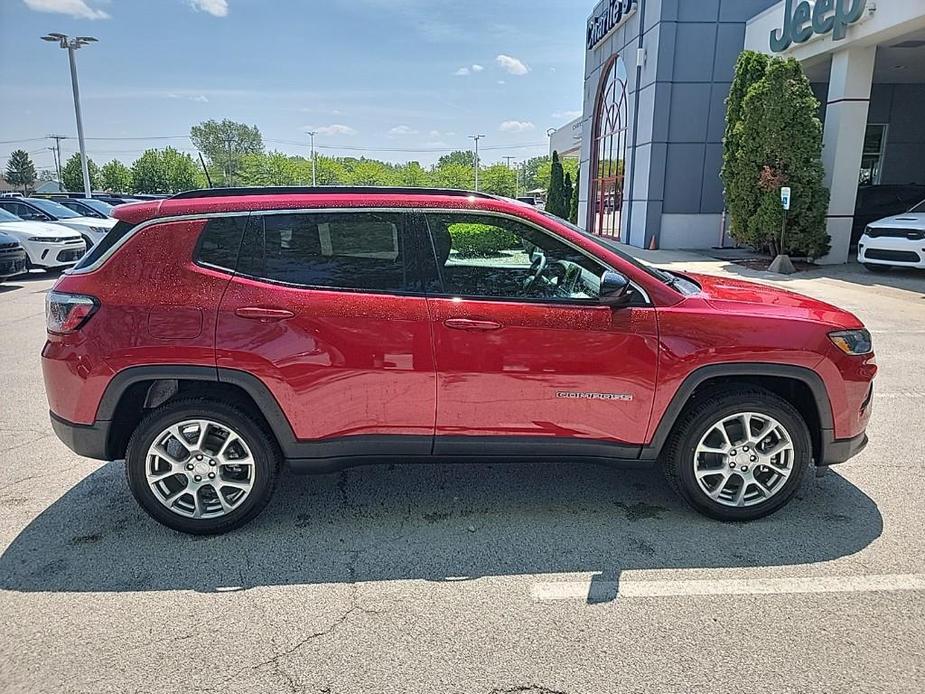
(741, 369)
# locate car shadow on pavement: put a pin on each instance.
(431, 522)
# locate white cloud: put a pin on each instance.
(566, 115)
(477, 68)
(199, 98)
(501, 82)
(469, 70)
(512, 65)
(516, 126)
(216, 8)
(74, 8)
(403, 130)
(334, 129)
(462, 72)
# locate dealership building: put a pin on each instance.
(657, 73)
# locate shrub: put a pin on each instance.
(482, 240)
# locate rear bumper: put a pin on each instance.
(836, 451)
(87, 440)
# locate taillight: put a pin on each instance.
(66, 313)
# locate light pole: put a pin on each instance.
(476, 138)
(311, 134)
(72, 45)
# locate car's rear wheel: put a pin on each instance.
(738, 454)
(201, 467)
(873, 267)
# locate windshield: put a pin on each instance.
(919, 208)
(98, 205)
(8, 216)
(54, 209)
(660, 275)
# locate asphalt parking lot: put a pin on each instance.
(454, 578)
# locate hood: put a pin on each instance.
(23, 230)
(732, 295)
(83, 222)
(906, 220)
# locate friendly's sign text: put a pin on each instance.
(804, 19)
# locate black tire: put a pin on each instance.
(873, 267)
(263, 447)
(699, 415)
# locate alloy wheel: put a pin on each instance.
(744, 459)
(199, 468)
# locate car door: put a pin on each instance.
(525, 353)
(327, 309)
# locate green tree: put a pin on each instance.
(456, 176)
(149, 174)
(498, 179)
(72, 174)
(573, 203)
(464, 157)
(369, 172)
(533, 176)
(780, 144)
(20, 171)
(328, 171)
(116, 177)
(412, 174)
(742, 197)
(224, 144)
(555, 197)
(272, 169)
(165, 171)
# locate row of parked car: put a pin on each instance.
(52, 232)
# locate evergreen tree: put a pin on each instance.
(573, 203)
(567, 196)
(780, 144)
(555, 203)
(740, 186)
(20, 171)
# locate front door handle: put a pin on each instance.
(470, 324)
(264, 315)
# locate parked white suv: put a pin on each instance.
(47, 246)
(897, 241)
(41, 210)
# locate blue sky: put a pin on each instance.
(373, 74)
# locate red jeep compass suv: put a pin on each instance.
(213, 336)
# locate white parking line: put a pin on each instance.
(629, 588)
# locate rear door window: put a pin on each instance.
(354, 251)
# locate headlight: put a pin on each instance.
(49, 239)
(853, 342)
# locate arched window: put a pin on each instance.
(608, 151)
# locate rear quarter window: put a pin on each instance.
(112, 237)
(220, 242)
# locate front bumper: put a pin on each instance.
(887, 250)
(836, 451)
(51, 255)
(12, 263)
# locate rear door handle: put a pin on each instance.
(264, 315)
(470, 324)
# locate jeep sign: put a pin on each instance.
(804, 19)
(613, 14)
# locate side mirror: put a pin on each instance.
(614, 289)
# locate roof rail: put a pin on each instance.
(322, 190)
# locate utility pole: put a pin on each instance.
(72, 45)
(507, 161)
(311, 134)
(476, 138)
(57, 148)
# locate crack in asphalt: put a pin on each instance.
(353, 606)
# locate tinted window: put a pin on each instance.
(497, 257)
(112, 237)
(53, 209)
(22, 211)
(220, 241)
(360, 251)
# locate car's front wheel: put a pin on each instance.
(738, 454)
(201, 466)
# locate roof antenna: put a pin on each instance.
(205, 170)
